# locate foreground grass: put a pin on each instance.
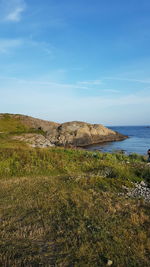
(61, 207)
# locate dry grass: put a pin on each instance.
(61, 208)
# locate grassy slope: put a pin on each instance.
(60, 207)
(10, 126)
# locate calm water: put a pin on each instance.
(138, 141)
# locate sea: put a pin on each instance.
(138, 141)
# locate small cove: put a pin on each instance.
(138, 141)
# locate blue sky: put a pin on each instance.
(86, 60)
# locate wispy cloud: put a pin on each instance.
(49, 84)
(11, 10)
(76, 106)
(56, 85)
(44, 46)
(128, 79)
(110, 90)
(93, 82)
(15, 15)
(8, 44)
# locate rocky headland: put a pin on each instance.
(80, 134)
(71, 134)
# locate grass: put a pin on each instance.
(63, 207)
(60, 207)
(53, 221)
(11, 125)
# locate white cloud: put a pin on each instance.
(7, 44)
(128, 80)
(47, 84)
(93, 82)
(110, 90)
(15, 15)
(11, 10)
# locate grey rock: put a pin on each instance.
(143, 184)
(34, 140)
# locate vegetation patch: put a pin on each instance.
(12, 125)
(63, 207)
(69, 207)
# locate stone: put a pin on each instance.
(141, 190)
(34, 140)
(109, 263)
(142, 183)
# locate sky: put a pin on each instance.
(85, 60)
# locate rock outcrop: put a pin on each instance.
(75, 133)
(81, 134)
(34, 140)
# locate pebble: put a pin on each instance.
(109, 263)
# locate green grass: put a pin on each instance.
(63, 207)
(55, 161)
(11, 125)
(60, 207)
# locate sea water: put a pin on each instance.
(138, 141)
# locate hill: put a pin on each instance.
(76, 134)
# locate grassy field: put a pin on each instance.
(63, 207)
